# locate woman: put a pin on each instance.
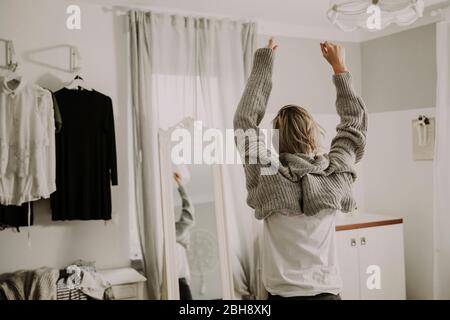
(183, 228)
(299, 201)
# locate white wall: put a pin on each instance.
(397, 185)
(303, 77)
(38, 29)
(399, 78)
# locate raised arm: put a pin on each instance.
(347, 147)
(251, 109)
(186, 221)
(253, 104)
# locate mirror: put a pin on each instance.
(196, 248)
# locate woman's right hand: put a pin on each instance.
(271, 44)
(335, 55)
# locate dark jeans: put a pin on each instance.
(321, 296)
(185, 290)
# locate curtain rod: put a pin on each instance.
(121, 10)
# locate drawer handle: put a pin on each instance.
(353, 242)
(363, 241)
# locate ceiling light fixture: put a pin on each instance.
(373, 15)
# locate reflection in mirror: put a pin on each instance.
(197, 251)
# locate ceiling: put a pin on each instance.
(304, 12)
(301, 13)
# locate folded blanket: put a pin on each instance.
(39, 284)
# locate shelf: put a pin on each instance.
(350, 221)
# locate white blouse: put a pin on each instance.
(27, 143)
(299, 254)
(182, 261)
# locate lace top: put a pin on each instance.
(27, 143)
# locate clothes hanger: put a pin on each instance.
(13, 78)
(78, 83)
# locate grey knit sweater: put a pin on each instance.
(302, 184)
(184, 225)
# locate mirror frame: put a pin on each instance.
(170, 289)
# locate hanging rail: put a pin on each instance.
(74, 59)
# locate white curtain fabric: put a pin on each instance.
(189, 67)
(441, 164)
(146, 161)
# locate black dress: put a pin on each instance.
(85, 156)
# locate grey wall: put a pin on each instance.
(303, 77)
(399, 71)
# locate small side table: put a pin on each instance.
(127, 283)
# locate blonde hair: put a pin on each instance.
(298, 131)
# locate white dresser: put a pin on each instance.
(371, 256)
(127, 283)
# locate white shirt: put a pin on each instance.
(299, 255)
(183, 270)
(27, 143)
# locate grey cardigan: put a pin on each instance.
(186, 221)
(302, 184)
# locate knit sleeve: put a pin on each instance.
(253, 104)
(250, 111)
(186, 221)
(347, 147)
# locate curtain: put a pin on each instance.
(189, 67)
(441, 164)
(146, 161)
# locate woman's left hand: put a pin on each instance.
(178, 179)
